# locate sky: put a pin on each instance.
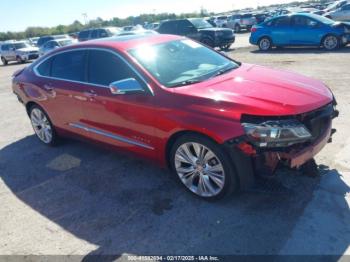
(48, 13)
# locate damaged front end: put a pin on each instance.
(345, 26)
(288, 140)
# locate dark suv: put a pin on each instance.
(200, 30)
(96, 33)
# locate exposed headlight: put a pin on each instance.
(280, 133)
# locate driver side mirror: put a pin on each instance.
(125, 86)
(313, 25)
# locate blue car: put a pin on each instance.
(300, 29)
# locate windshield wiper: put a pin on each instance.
(223, 71)
(186, 82)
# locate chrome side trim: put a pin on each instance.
(110, 135)
(35, 67)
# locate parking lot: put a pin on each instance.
(80, 199)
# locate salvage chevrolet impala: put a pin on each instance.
(215, 122)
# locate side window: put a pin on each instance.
(105, 68)
(184, 27)
(5, 47)
(103, 33)
(84, 34)
(301, 21)
(69, 65)
(346, 7)
(94, 34)
(45, 67)
(283, 21)
(168, 28)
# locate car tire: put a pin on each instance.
(19, 60)
(4, 61)
(203, 167)
(330, 42)
(42, 126)
(207, 41)
(225, 47)
(237, 28)
(265, 44)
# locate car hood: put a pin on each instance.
(257, 90)
(28, 49)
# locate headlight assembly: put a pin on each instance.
(279, 133)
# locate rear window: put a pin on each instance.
(69, 65)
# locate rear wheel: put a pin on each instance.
(330, 42)
(203, 167)
(265, 44)
(4, 61)
(42, 126)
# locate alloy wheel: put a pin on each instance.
(41, 125)
(199, 169)
(330, 42)
(265, 44)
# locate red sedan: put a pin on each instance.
(215, 122)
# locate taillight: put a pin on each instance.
(253, 30)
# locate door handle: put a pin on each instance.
(90, 93)
(48, 87)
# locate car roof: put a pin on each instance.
(124, 43)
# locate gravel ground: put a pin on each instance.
(79, 199)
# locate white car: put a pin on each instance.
(18, 51)
(340, 14)
(54, 44)
(221, 21)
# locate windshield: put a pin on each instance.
(200, 23)
(181, 62)
(113, 30)
(20, 45)
(322, 19)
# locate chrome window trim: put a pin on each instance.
(110, 135)
(36, 72)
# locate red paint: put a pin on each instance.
(212, 108)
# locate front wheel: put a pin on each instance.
(265, 44)
(19, 60)
(203, 167)
(42, 126)
(330, 42)
(225, 47)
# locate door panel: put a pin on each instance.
(281, 31)
(306, 31)
(62, 83)
(122, 120)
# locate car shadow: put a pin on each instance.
(302, 50)
(15, 63)
(126, 205)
